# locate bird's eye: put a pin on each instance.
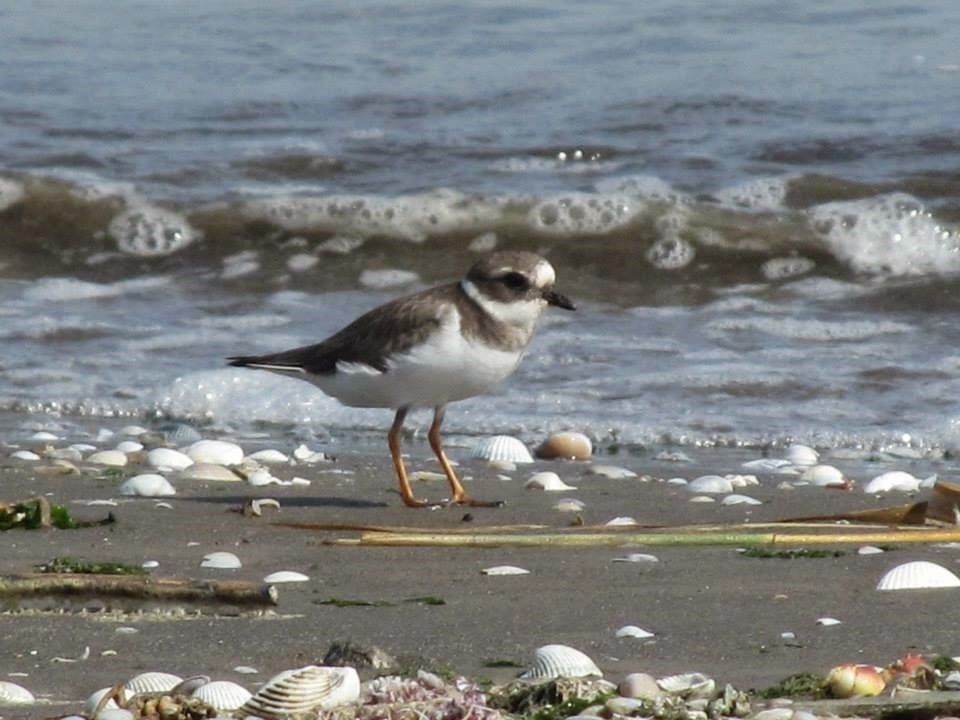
(516, 281)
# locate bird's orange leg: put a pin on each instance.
(460, 495)
(393, 438)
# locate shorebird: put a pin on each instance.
(429, 349)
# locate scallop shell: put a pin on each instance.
(798, 454)
(566, 446)
(223, 694)
(822, 475)
(505, 570)
(560, 661)
(13, 694)
(502, 448)
(916, 575)
(147, 485)
(210, 472)
(632, 631)
(270, 457)
(221, 561)
(896, 480)
(710, 484)
(149, 682)
(548, 481)
(285, 576)
(303, 690)
(113, 458)
(167, 458)
(217, 452)
(612, 472)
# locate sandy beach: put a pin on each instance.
(711, 609)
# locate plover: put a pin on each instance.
(429, 349)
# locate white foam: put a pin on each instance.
(71, 289)
(809, 330)
(11, 192)
(889, 235)
(389, 278)
(146, 230)
(760, 194)
(583, 214)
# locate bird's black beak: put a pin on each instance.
(556, 299)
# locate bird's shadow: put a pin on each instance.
(311, 501)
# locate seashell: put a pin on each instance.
(190, 685)
(116, 713)
(147, 485)
(181, 435)
(828, 621)
(702, 499)
(870, 550)
(570, 505)
(42, 436)
(217, 452)
(560, 661)
(565, 446)
(129, 446)
(896, 480)
(798, 454)
(149, 564)
(548, 481)
(637, 558)
(67, 453)
(261, 477)
(677, 481)
(916, 575)
(688, 685)
(740, 500)
(13, 694)
(221, 561)
(301, 691)
(113, 458)
(622, 521)
(710, 484)
(306, 455)
(167, 458)
(245, 670)
(632, 631)
(822, 475)
(151, 682)
(766, 464)
(505, 570)
(285, 576)
(132, 431)
(852, 680)
(210, 472)
(270, 457)
(611, 472)
(639, 685)
(618, 707)
(223, 694)
(93, 702)
(503, 466)
(25, 455)
(502, 448)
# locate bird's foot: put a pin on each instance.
(471, 502)
(413, 502)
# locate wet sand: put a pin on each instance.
(711, 608)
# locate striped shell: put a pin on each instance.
(560, 661)
(916, 575)
(303, 690)
(13, 694)
(222, 694)
(150, 682)
(502, 448)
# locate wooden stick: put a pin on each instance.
(234, 592)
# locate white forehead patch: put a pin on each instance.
(543, 275)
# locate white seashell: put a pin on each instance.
(548, 481)
(270, 457)
(221, 561)
(870, 550)
(702, 499)
(167, 458)
(103, 435)
(245, 670)
(261, 477)
(113, 458)
(217, 452)
(13, 694)
(711, 484)
(93, 701)
(222, 694)
(828, 621)
(147, 485)
(916, 575)
(896, 480)
(677, 481)
(132, 431)
(622, 521)
(129, 446)
(285, 576)
(637, 558)
(42, 436)
(632, 631)
(163, 506)
(741, 481)
(560, 661)
(116, 713)
(301, 691)
(611, 472)
(822, 475)
(798, 454)
(209, 472)
(150, 682)
(688, 685)
(505, 570)
(306, 455)
(503, 466)
(570, 505)
(148, 564)
(67, 453)
(740, 500)
(639, 685)
(765, 464)
(502, 448)
(25, 455)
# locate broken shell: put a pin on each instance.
(570, 505)
(916, 575)
(896, 480)
(306, 455)
(870, 550)
(270, 457)
(799, 454)
(560, 661)
(637, 558)
(622, 521)
(13, 694)
(113, 458)
(222, 694)
(167, 458)
(209, 472)
(548, 481)
(303, 690)
(93, 702)
(565, 446)
(688, 685)
(221, 561)
(852, 680)
(711, 484)
(502, 448)
(150, 682)
(129, 446)
(740, 500)
(632, 631)
(611, 472)
(285, 576)
(505, 570)
(828, 621)
(147, 485)
(217, 452)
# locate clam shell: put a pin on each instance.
(916, 575)
(570, 505)
(637, 558)
(798, 454)
(896, 480)
(285, 576)
(270, 457)
(740, 500)
(622, 521)
(870, 550)
(149, 682)
(25, 455)
(548, 481)
(502, 448)
(688, 685)
(167, 458)
(94, 700)
(611, 472)
(822, 475)
(710, 484)
(221, 561)
(129, 446)
(304, 690)
(632, 631)
(210, 472)
(113, 458)
(505, 570)
(217, 452)
(560, 661)
(132, 430)
(223, 694)
(566, 446)
(147, 485)
(13, 694)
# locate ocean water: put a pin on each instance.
(754, 204)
